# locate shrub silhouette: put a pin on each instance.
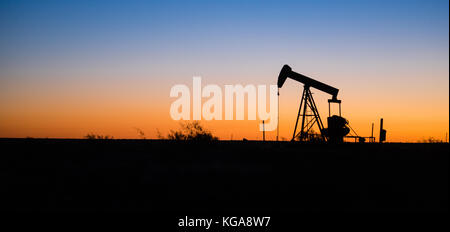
(94, 136)
(191, 131)
(431, 140)
(140, 132)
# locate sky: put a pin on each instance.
(69, 68)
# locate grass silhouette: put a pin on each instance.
(191, 131)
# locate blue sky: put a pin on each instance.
(65, 30)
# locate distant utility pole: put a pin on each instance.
(264, 132)
(371, 136)
(382, 132)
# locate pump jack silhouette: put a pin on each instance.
(337, 125)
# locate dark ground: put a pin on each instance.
(235, 177)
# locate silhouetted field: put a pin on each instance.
(227, 176)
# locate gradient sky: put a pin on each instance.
(68, 68)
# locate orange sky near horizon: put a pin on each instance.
(117, 109)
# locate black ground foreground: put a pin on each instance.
(224, 177)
